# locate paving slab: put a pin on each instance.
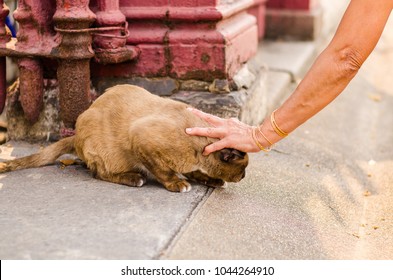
(57, 212)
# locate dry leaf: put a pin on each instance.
(67, 162)
(366, 193)
(375, 97)
(356, 235)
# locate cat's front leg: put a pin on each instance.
(167, 177)
(204, 179)
(131, 179)
(178, 185)
(171, 181)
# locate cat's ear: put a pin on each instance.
(231, 155)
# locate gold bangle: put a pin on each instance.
(263, 135)
(262, 148)
(276, 128)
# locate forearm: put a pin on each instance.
(356, 37)
(335, 67)
(326, 79)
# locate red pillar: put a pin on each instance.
(74, 52)
(293, 19)
(35, 36)
(291, 4)
(258, 10)
(4, 38)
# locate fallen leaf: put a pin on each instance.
(67, 162)
(356, 235)
(375, 97)
(367, 193)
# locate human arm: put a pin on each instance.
(355, 38)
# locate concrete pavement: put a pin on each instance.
(324, 193)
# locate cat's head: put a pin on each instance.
(231, 165)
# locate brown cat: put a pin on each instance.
(128, 133)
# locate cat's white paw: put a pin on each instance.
(185, 188)
(136, 181)
(141, 182)
(179, 186)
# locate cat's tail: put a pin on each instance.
(44, 157)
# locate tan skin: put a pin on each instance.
(356, 37)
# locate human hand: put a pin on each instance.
(231, 133)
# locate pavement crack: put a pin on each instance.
(165, 251)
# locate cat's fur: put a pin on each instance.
(128, 133)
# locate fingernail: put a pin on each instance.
(189, 108)
(188, 130)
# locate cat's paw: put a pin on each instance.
(3, 167)
(179, 186)
(136, 180)
(215, 183)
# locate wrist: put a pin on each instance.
(269, 133)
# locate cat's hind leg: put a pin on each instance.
(131, 179)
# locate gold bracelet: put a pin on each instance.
(276, 128)
(262, 148)
(263, 135)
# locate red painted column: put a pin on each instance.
(110, 43)
(293, 19)
(35, 36)
(258, 10)
(4, 38)
(291, 4)
(73, 18)
(108, 14)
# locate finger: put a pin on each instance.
(205, 131)
(211, 119)
(216, 146)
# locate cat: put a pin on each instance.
(129, 133)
